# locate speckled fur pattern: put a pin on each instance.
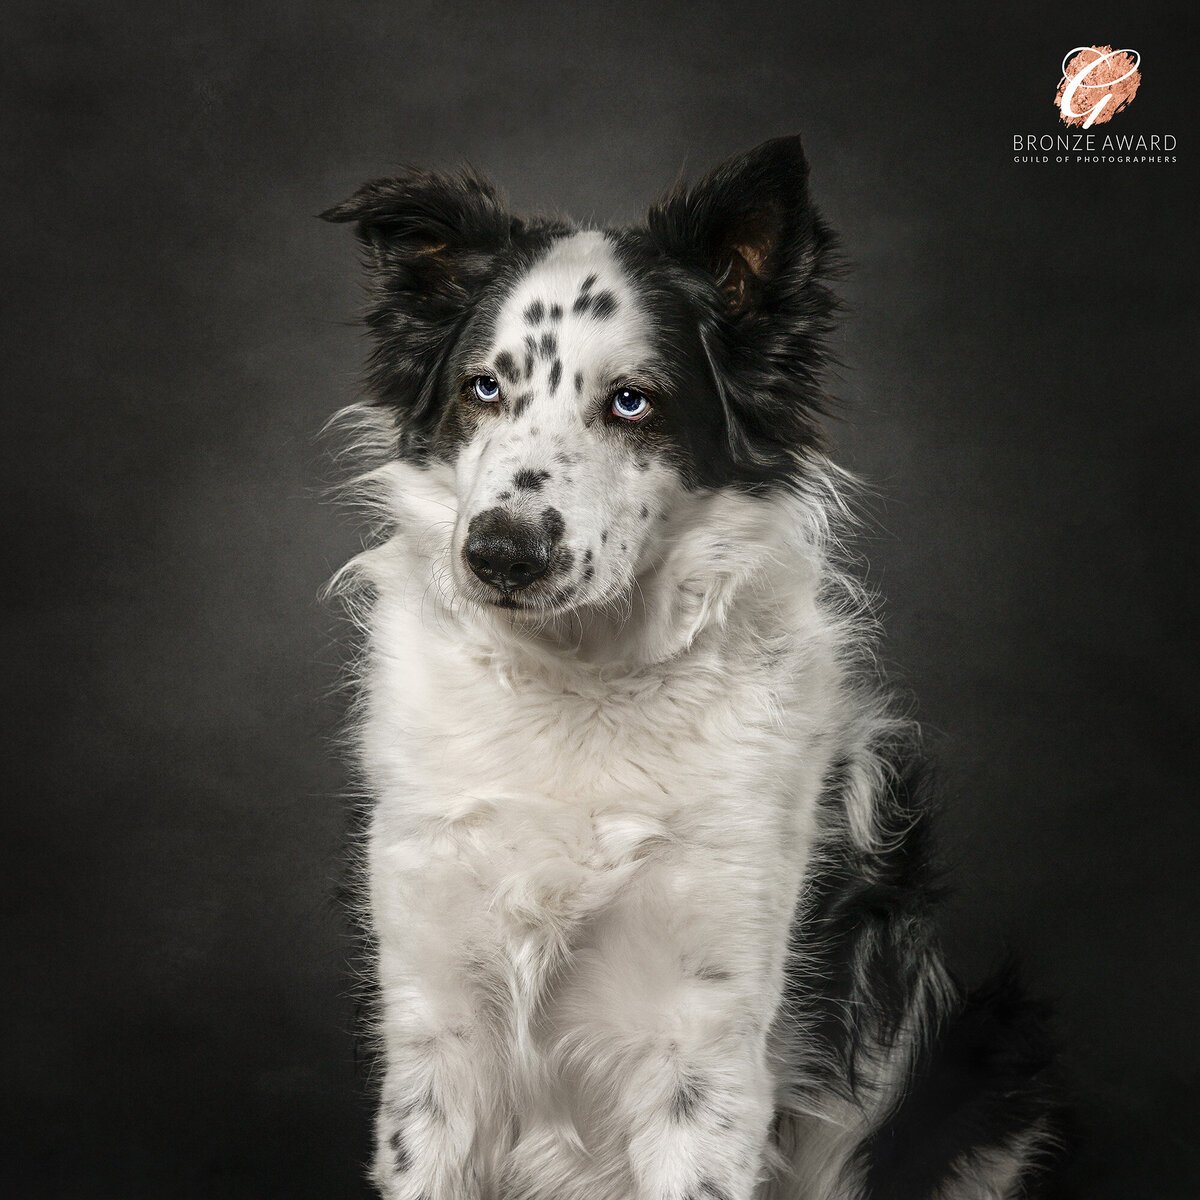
(646, 869)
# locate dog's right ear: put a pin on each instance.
(439, 226)
(431, 241)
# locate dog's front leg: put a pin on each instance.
(667, 1025)
(439, 1075)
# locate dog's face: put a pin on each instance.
(561, 465)
(585, 388)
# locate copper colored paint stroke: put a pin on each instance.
(1116, 77)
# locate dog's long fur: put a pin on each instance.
(647, 865)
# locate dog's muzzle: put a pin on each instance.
(506, 553)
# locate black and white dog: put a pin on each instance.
(647, 874)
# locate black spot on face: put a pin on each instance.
(534, 313)
(530, 481)
(556, 312)
(586, 285)
(552, 523)
(582, 304)
(521, 403)
(507, 367)
(579, 383)
(587, 558)
(588, 572)
(549, 345)
(555, 375)
(528, 362)
(604, 304)
(504, 495)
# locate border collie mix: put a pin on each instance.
(646, 867)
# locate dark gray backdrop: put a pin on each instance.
(1019, 385)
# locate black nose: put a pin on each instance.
(504, 552)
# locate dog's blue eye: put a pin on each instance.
(486, 388)
(630, 405)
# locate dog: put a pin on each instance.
(647, 872)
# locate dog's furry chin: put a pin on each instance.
(647, 875)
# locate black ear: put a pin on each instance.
(759, 259)
(433, 243)
(749, 223)
(441, 225)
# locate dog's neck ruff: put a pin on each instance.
(768, 554)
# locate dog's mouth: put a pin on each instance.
(539, 600)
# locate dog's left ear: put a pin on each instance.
(761, 256)
(749, 223)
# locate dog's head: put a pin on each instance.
(587, 388)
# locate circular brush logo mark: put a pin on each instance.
(1097, 83)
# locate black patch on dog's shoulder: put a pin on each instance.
(530, 481)
(864, 965)
(981, 1081)
(862, 940)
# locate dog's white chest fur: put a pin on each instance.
(541, 786)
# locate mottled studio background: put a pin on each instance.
(1020, 384)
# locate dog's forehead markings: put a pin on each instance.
(574, 310)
